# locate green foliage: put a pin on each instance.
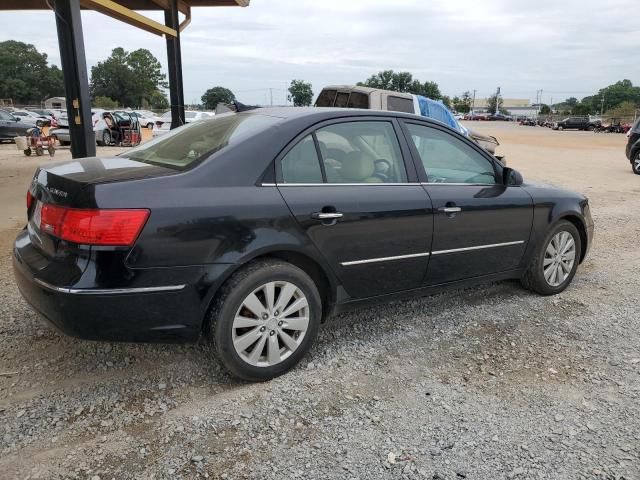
(491, 104)
(158, 101)
(613, 95)
(581, 109)
(105, 102)
(402, 82)
(463, 104)
(216, 95)
(129, 78)
(624, 109)
(25, 75)
(300, 93)
(545, 109)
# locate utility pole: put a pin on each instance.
(602, 106)
(473, 103)
(271, 96)
(497, 103)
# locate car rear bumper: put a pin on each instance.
(165, 313)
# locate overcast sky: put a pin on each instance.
(565, 47)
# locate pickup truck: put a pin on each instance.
(577, 123)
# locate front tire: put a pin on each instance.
(554, 265)
(635, 164)
(265, 319)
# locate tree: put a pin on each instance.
(25, 75)
(625, 109)
(402, 82)
(158, 101)
(581, 109)
(462, 105)
(613, 95)
(105, 102)
(494, 100)
(300, 93)
(129, 78)
(545, 109)
(216, 95)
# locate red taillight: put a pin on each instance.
(93, 227)
(29, 200)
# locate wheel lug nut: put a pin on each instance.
(277, 313)
(262, 329)
(265, 316)
(280, 323)
(272, 332)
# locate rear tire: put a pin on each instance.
(276, 335)
(39, 151)
(27, 152)
(106, 137)
(150, 126)
(539, 276)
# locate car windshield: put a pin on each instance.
(190, 114)
(186, 146)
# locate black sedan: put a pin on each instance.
(633, 147)
(11, 127)
(252, 228)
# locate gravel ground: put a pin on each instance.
(486, 383)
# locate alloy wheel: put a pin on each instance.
(270, 323)
(559, 258)
(636, 164)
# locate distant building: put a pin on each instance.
(517, 107)
(55, 103)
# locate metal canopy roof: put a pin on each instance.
(124, 10)
(131, 4)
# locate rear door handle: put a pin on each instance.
(449, 209)
(326, 215)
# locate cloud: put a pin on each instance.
(568, 48)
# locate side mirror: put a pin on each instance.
(17, 119)
(511, 177)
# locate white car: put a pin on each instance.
(163, 123)
(146, 118)
(31, 118)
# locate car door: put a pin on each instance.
(347, 184)
(481, 226)
(7, 125)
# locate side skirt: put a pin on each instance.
(354, 304)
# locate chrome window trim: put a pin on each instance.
(108, 291)
(383, 259)
(337, 184)
(478, 247)
(461, 184)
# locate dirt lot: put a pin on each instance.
(485, 383)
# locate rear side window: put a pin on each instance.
(326, 98)
(191, 143)
(342, 99)
(301, 164)
(358, 100)
(399, 104)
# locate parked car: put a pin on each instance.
(633, 147)
(32, 118)
(11, 127)
(350, 96)
(146, 118)
(499, 117)
(252, 228)
(163, 124)
(577, 123)
(45, 112)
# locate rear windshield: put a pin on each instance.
(326, 98)
(187, 145)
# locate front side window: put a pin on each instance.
(361, 152)
(447, 159)
(301, 164)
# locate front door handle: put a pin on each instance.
(449, 209)
(326, 215)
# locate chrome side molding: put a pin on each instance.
(108, 291)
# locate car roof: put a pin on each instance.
(326, 113)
